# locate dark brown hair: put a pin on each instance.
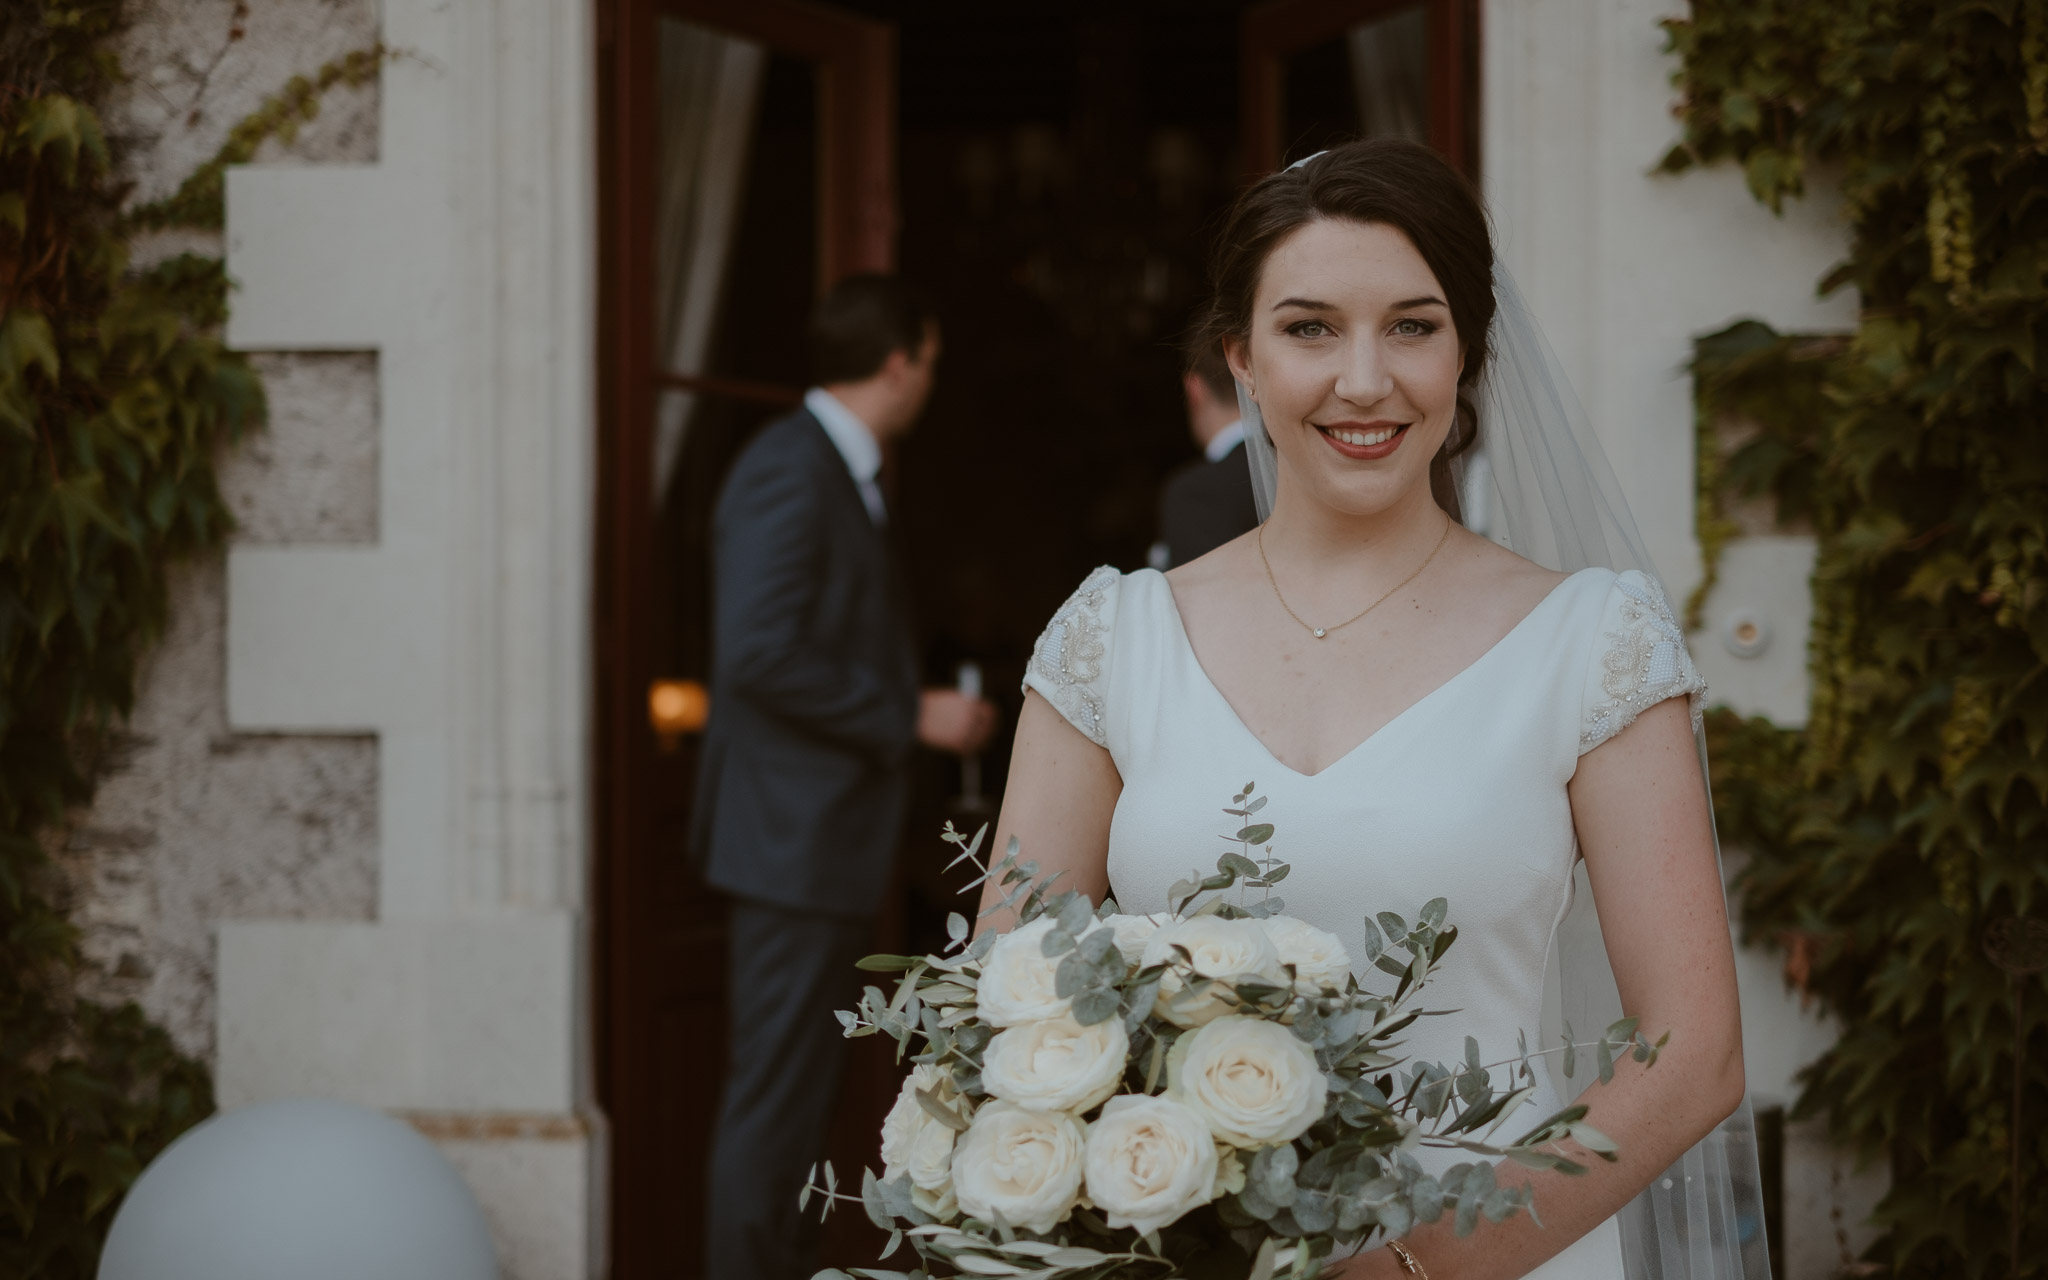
(1203, 357)
(861, 320)
(1404, 185)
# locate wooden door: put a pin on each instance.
(660, 938)
(1297, 74)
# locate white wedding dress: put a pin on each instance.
(1461, 796)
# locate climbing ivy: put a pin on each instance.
(116, 397)
(1901, 835)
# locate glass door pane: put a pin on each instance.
(1369, 81)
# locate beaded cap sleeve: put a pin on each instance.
(1639, 660)
(1070, 663)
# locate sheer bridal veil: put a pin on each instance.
(1539, 483)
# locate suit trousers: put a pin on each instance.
(789, 969)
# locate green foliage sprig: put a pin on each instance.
(116, 396)
(1274, 1207)
(201, 199)
(1909, 822)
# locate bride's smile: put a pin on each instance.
(1354, 361)
(1364, 441)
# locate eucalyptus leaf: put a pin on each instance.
(939, 1111)
(980, 1265)
(1077, 915)
(1257, 1203)
(1073, 976)
(1375, 942)
(1498, 1204)
(1238, 863)
(885, 963)
(1099, 945)
(1314, 1211)
(897, 1200)
(1396, 1217)
(871, 1200)
(1096, 1005)
(1427, 1199)
(1140, 1000)
(1593, 1140)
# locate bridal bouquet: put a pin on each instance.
(1205, 1092)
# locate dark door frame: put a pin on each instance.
(857, 231)
(1272, 31)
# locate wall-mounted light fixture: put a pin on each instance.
(1744, 634)
(677, 707)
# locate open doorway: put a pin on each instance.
(1052, 177)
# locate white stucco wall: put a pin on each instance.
(1626, 268)
(195, 819)
(340, 849)
(455, 632)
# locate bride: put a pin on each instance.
(1428, 712)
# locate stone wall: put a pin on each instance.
(193, 822)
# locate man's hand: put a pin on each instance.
(948, 720)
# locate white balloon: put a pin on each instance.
(307, 1189)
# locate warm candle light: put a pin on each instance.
(677, 707)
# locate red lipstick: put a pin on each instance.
(1364, 452)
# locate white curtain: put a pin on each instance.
(708, 87)
(1388, 57)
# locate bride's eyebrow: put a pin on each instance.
(1311, 304)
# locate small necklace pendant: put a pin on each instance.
(1318, 633)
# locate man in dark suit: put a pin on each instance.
(815, 708)
(1207, 502)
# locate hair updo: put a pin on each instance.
(1404, 185)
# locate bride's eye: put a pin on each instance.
(1309, 329)
(1413, 328)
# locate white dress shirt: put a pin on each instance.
(857, 446)
(1224, 441)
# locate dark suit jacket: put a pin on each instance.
(1204, 505)
(814, 691)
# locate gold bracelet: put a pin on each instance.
(1408, 1263)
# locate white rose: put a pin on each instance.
(1218, 948)
(1250, 1080)
(1024, 1165)
(1017, 978)
(916, 1142)
(1150, 1160)
(1133, 932)
(1319, 960)
(1056, 1064)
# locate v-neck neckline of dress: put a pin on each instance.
(1202, 676)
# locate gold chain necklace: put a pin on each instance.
(1320, 632)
